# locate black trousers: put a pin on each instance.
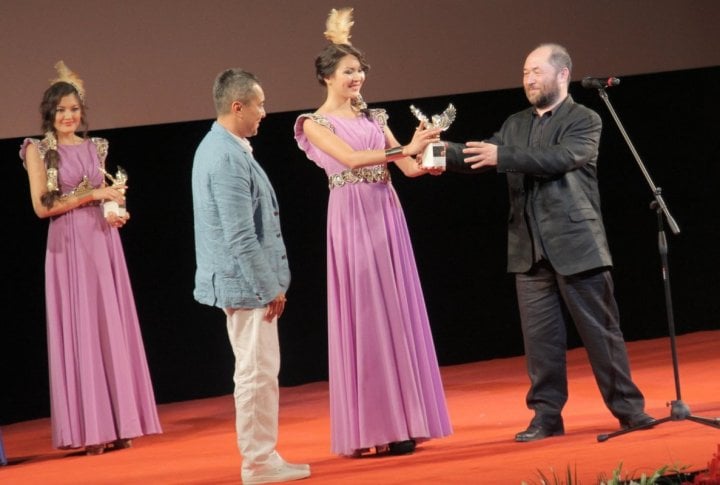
(546, 300)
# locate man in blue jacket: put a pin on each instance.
(556, 243)
(242, 267)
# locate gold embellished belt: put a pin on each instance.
(370, 175)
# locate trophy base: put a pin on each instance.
(434, 156)
(112, 206)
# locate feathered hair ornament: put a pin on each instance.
(67, 76)
(338, 26)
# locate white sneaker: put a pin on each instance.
(284, 472)
(277, 461)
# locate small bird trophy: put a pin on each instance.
(119, 180)
(434, 154)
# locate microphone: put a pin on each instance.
(599, 82)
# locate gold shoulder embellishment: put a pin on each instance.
(379, 115)
(101, 145)
(320, 120)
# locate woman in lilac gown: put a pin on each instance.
(3, 458)
(385, 386)
(100, 388)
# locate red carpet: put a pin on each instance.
(486, 401)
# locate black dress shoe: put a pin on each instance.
(401, 447)
(641, 420)
(534, 433)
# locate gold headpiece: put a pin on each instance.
(66, 75)
(338, 25)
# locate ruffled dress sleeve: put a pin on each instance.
(303, 143)
(102, 146)
(300, 137)
(42, 148)
(379, 116)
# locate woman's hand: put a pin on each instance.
(113, 193)
(421, 139)
(434, 170)
(110, 192)
(117, 221)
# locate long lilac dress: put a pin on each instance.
(100, 388)
(3, 458)
(385, 383)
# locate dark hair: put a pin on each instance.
(233, 85)
(48, 110)
(329, 58)
(51, 100)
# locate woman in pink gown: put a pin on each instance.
(3, 458)
(385, 387)
(100, 388)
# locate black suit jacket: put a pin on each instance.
(563, 169)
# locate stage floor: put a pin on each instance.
(486, 401)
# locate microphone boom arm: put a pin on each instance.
(657, 191)
(678, 409)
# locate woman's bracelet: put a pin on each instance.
(394, 153)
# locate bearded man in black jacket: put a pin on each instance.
(557, 246)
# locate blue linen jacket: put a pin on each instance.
(240, 253)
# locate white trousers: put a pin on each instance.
(257, 363)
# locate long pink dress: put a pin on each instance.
(385, 383)
(3, 459)
(100, 388)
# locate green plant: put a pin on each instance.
(570, 477)
(617, 479)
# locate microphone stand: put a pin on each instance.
(678, 409)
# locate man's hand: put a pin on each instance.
(275, 308)
(482, 154)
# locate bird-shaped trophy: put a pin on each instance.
(119, 180)
(434, 154)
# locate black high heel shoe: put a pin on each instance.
(401, 447)
(94, 450)
(122, 444)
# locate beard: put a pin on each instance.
(545, 97)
